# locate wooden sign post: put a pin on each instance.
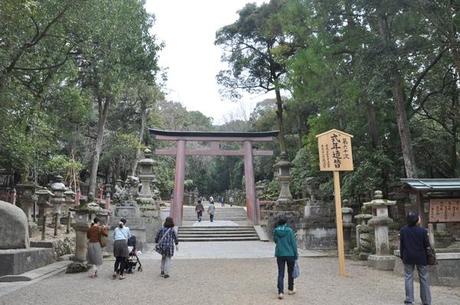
(335, 155)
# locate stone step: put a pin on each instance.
(185, 236)
(217, 233)
(236, 238)
(216, 228)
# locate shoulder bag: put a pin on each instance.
(157, 246)
(431, 256)
(103, 236)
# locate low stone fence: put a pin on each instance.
(314, 223)
(445, 273)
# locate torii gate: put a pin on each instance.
(180, 151)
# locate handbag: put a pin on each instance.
(157, 246)
(103, 237)
(431, 256)
(296, 271)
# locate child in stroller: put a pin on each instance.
(133, 258)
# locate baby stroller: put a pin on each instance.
(133, 258)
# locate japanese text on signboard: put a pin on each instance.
(335, 151)
(445, 210)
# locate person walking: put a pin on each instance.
(199, 209)
(94, 254)
(286, 254)
(221, 200)
(121, 234)
(166, 239)
(211, 210)
(413, 249)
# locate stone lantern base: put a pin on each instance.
(382, 262)
(77, 267)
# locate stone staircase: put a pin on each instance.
(226, 213)
(230, 224)
(217, 233)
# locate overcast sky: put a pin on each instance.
(192, 60)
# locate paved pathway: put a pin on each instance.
(219, 249)
(224, 281)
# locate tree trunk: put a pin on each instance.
(455, 127)
(103, 105)
(144, 114)
(403, 126)
(372, 124)
(279, 117)
(399, 98)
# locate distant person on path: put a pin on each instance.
(221, 200)
(94, 254)
(211, 199)
(286, 254)
(413, 249)
(166, 239)
(199, 209)
(230, 200)
(121, 234)
(211, 210)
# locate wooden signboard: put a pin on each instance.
(335, 156)
(335, 151)
(445, 210)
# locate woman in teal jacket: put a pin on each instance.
(286, 254)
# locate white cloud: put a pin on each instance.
(188, 29)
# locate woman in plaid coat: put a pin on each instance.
(166, 239)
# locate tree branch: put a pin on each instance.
(423, 74)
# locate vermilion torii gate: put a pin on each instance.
(214, 138)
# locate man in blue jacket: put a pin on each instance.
(413, 247)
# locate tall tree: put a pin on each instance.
(255, 47)
(115, 46)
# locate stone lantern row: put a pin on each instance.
(379, 221)
(58, 196)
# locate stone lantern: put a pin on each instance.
(282, 167)
(146, 176)
(43, 202)
(363, 236)
(382, 260)
(26, 200)
(84, 214)
(148, 206)
(347, 217)
(58, 188)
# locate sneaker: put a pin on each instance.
(166, 276)
(280, 296)
(291, 292)
(114, 275)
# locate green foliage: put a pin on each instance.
(61, 165)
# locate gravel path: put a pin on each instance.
(225, 281)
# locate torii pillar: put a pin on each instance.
(177, 204)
